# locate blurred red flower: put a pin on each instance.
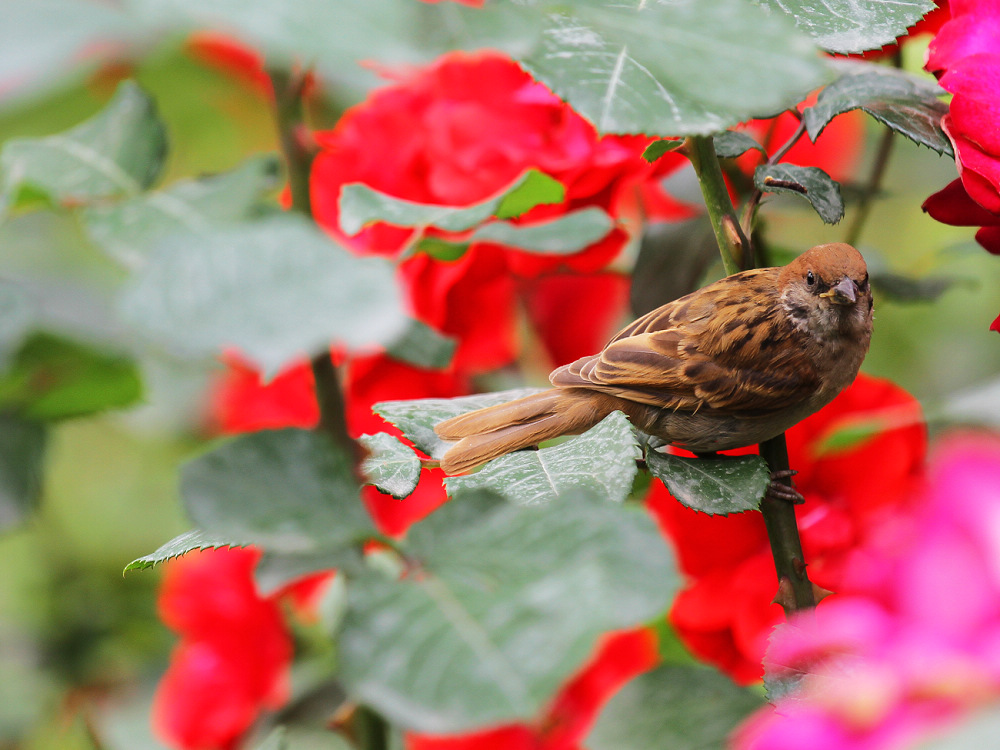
(725, 612)
(233, 658)
(231, 57)
(570, 715)
(242, 402)
(455, 133)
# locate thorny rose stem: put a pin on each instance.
(370, 728)
(795, 591)
(299, 153)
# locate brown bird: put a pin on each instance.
(732, 364)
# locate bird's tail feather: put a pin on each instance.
(485, 434)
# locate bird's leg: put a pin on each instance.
(781, 487)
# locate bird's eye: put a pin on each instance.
(810, 278)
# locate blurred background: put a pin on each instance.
(75, 632)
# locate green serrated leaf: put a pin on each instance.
(688, 67)
(811, 183)
(905, 103)
(127, 230)
(849, 26)
(189, 541)
(659, 147)
(391, 465)
(680, 707)
(119, 152)
(601, 460)
(509, 601)
(717, 486)
(421, 345)
(276, 289)
(565, 235)
(17, 317)
(732, 143)
(360, 205)
(53, 378)
(416, 418)
(285, 491)
(22, 451)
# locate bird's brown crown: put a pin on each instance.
(829, 264)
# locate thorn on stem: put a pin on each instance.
(785, 595)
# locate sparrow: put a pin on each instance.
(732, 364)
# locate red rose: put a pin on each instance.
(725, 613)
(234, 655)
(965, 55)
(456, 133)
(953, 205)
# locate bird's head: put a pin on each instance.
(826, 291)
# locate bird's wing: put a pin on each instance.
(717, 348)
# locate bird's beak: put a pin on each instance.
(842, 294)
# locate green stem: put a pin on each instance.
(749, 213)
(871, 187)
(298, 150)
(296, 145)
(795, 591)
(879, 167)
(733, 243)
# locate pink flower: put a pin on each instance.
(916, 645)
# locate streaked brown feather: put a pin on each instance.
(703, 350)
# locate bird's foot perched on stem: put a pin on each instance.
(781, 487)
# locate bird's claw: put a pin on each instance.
(779, 490)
